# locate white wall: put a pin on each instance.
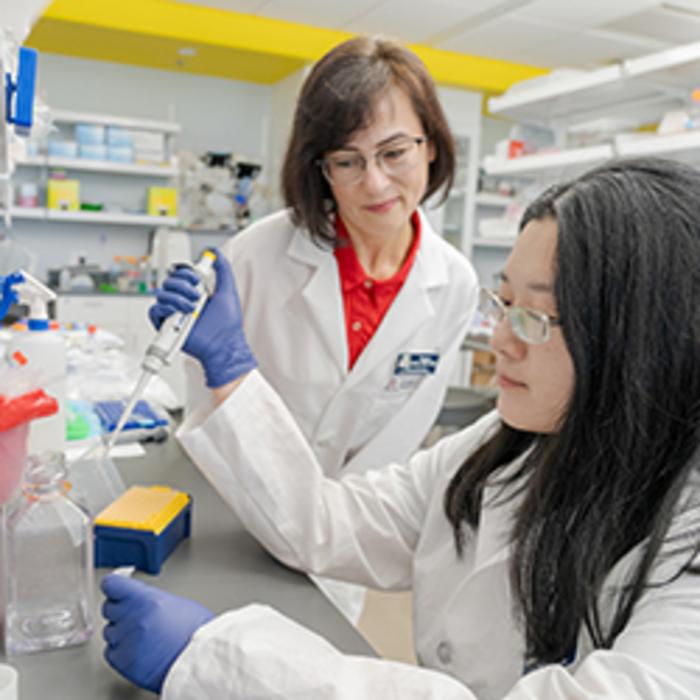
(215, 115)
(282, 106)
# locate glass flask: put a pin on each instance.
(49, 549)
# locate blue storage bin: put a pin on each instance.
(92, 151)
(93, 134)
(120, 154)
(116, 136)
(62, 149)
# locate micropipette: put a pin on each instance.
(169, 339)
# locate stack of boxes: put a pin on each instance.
(111, 144)
(149, 147)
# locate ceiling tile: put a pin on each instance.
(582, 15)
(502, 38)
(248, 7)
(586, 49)
(331, 14)
(413, 21)
(673, 26)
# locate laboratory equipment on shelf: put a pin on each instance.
(169, 339)
(44, 350)
(49, 566)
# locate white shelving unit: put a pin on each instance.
(506, 243)
(91, 217)
(640, 90)
(492, 199)
(684, 146)
(69, 117)
(99, 166)
(549, 163)
(133, 177)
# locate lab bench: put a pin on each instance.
(220, 565)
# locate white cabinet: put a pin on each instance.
(120, 186)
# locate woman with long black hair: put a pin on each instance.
(553, 547)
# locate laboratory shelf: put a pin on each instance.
(111, 218)
(638, 90)
(557, 100)
(91, 217)
(541, 163)
(493, 242)
(492, 199)
(68, 117)
(684, 146)
(28, 213)
(100, 166)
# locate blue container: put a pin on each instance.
(147, 541)
(92, 151)
(63, 149)
(120, 154)
(116, 136)
(90, 134)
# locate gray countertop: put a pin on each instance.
(221, 566)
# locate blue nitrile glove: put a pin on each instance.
(147, 629)
(216, 339)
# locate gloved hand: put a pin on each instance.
(147, 629)
(216, 339)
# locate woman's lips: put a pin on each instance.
(506, 382)
(382, 207)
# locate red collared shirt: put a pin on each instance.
(366, 300)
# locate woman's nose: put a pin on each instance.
(375, 178)
(504, 341)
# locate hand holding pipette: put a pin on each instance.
(217, 340)
(173, 330)
(203, 319)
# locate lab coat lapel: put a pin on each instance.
(321, 296)
(411, 309)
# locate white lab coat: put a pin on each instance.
(387, 529)
(294, 322)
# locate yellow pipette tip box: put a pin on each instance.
(142, 527)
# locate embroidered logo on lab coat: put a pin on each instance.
(410, 369)
(421, 363)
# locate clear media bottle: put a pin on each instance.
(49, 573)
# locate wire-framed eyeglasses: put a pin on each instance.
(530, 326)
(348, 167)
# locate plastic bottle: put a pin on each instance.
(45, 351)
(49, 572)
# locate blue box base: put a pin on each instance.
(116, 546)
